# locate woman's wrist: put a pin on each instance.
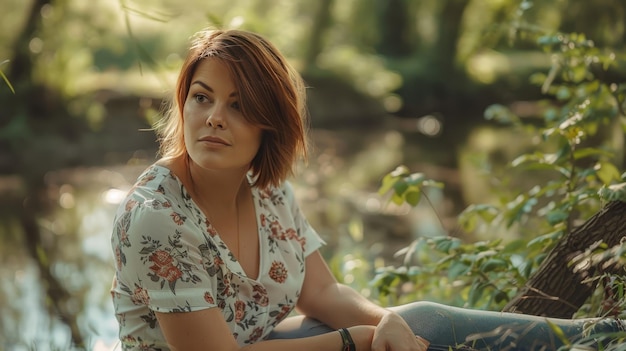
(347, 342)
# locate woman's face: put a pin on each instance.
(217, 135)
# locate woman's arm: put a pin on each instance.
(340, 306)
(335, 304)
(207, 330)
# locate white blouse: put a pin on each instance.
(169, 258)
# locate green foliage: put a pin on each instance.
(582, 170)
(406, 187)
(614, 192)
(480, 274)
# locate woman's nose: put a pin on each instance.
(216, 118)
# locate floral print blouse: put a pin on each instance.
(169, 258)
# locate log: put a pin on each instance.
(557, 289)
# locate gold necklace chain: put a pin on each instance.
(237, 234)
(237, 230)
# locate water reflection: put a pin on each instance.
(337, 191)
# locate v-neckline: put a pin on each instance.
(223, 248)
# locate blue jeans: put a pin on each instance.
(465, 329)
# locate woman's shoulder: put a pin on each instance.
(156, 189)
(282, 193)
(157, 180)
(157, 204)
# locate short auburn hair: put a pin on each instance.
(271, 95)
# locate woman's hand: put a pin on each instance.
(393, 334)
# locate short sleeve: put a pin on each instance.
(162, 258)
(312, 239)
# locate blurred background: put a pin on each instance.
(390, 82)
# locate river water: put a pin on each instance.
(336, 189)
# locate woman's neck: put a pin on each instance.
(216, 191)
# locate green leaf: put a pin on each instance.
(578, 74)
(487, 212)
(384, 281)
(457, 268)
(550, 115)
(537, 160)
(397, 199)
(525, 269)
(501, 114)
(415, 179)
(470, 216)
(493, 264)
(501, 296)
(400, 187)
(446, 244)
(387, 183)
(523, 159)
(468, 221)
(514, 246)
(546, 239)
(476, 292)
(607, 172)
(556, 216)
(615, 192)
(563, 93)
(589, 151)
(413, 197)
(519, 207)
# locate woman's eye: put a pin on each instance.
(201, 98)
(236, 106)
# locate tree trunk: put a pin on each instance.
(18, 108)
(557, 289)
(22, 62)
(321, 22)
(394, 26)
(449, 32)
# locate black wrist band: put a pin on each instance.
(348, 344)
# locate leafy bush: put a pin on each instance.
(581, 158)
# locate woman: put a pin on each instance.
(212, 251)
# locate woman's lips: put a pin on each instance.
(215, 140)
